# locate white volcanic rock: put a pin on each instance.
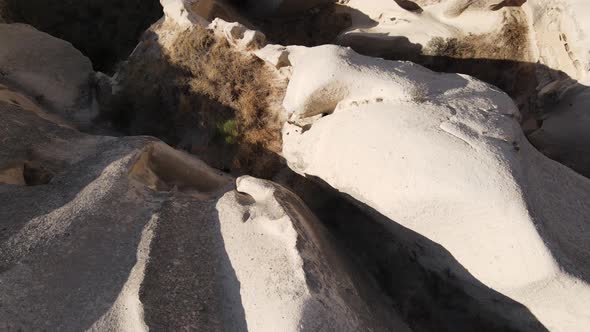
(238, 35)
(182, 13)
(127, 234)
(564, 135)
(379, 25)
(555, 40)
(561, 35)
(49, 69)
(276, 55)
(286, 265)
(443, 155)
(188, 13)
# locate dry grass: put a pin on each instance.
(239, 82)
(511, 46)
(502, 58)
(203, 88)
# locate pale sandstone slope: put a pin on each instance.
(444, 156)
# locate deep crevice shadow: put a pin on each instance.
(311, 28)
(409, 6)
(106, 31)
(424, 283)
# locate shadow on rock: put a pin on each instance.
(422, 280)
(105, 31)
(189, 281)
(200, 96)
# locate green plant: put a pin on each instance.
(228, 131)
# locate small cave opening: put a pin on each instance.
(106, 31)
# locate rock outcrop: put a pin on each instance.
(394, 198)
(452, 165)
(103, 233)
(561, 43)
(536, 51)
(50, 69)
(104, 30)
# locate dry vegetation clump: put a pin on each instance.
(239, 82)
(502, 58)
(205, 97)
(511, 45)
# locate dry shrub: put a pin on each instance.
(511, 45)
(240, 82)
(502, 58)
(205, 97)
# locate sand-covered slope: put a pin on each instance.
(445, 156)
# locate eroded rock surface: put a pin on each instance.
(453, 165)
(51, 70)
(128, 234)
(428, 208)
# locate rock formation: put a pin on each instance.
(223, 177)
(454, 166)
